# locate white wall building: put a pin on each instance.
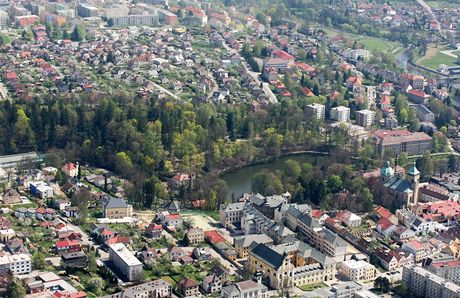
(17, 264)
(125, 261)
(358, 270)
(340, 114)
(316, 110)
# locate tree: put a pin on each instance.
(78, 33)
(92, 263)
(452, 163)
(425, 165)
(334, 183)
(110, 22)
(382, 284)
(402, 159)
(38, 261)
(266, 183)
(14, 288)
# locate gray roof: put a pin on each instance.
(269, 255)
(309, 221)
(247, 240)
(116, 203)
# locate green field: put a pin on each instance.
(434, 58)
(369, 43)
(4, 39)
(444, 3)
(312, 287)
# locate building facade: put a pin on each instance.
(125, 261)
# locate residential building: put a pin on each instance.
(135, 20)
(302, 263)
(26, 21)
(74, 260)
(87, 11)
(189, 287)
(415, 81)
(11, 197)
(340, 114)
(167, 18)
(449, 270)
(115, 208)
(244, 244)
(423, 113)
(215, 280)
(125, 261)
(365, 118)
(423, 283)
(159, 288)
(4, 19)
(316, 110)
(244, 289)
(230, 215)
(398, 141)
(41, 189)
(70, 169)
(195, 236)
(67, 246)
(348, 218)
(416, 248)
(17, 264)
(358, 270)
(417, 96)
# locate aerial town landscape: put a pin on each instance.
(236, 149)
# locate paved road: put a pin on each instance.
(255, 75)
(430, 11)
(167, 91)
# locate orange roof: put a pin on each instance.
(214, 236)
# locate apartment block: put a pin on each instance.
(86, 11)
(244, 289)
(135, 20)
(423, 283)
(413, 143)
(159, 288)
(340, 114)
(17, 264)
(365, 118)
(125, 261)
(316, 110)
(449, 270)
(423, 113)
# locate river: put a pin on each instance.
(239, 181)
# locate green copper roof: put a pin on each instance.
(387, 171)
(413, 170)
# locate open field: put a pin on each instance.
(434, 58)
(369, 43)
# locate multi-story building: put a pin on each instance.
(195, 236)
(230, 215)
(4, 19)
(243, 289)
(167, 18)
(87, 11)
(324, 240)
(423, 283)
(243, 244)
(19, 10)
(371, 95)
(17, 264)
(449, 270)
(125, 261)
(25, 21)
(423, 113)
(74, 260)
(115, 11)
(115, 208)
(316, 110)
(413, 143)
(67, 246)
(365, 118)
(159, 288)
(135, 20)
(416, 81)
(340, 114)
(291, 264)
(358, 270)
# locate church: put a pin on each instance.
(405, 189)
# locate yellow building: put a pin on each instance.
(292, 264)
(117, 209)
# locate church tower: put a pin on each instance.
(413, 176)
(386, 173)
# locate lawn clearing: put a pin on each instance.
(312, 287)
(434, 58)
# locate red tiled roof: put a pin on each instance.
(67, 243)
(282, 55)
(214, 236)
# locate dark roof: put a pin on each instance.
(116, 203)
(268, 255)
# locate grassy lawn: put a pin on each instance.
(5, 39)
(312, 287)
(444, 3)
(434, 58)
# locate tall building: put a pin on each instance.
(125, 261)
(449, 270)
(86, 11)
(4, 19)
(413, 143)
(135, 20)
(316, 110)
(365, 118)
(167, 17)
(423, 283)
(340, 114)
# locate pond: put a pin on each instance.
(239, 181)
